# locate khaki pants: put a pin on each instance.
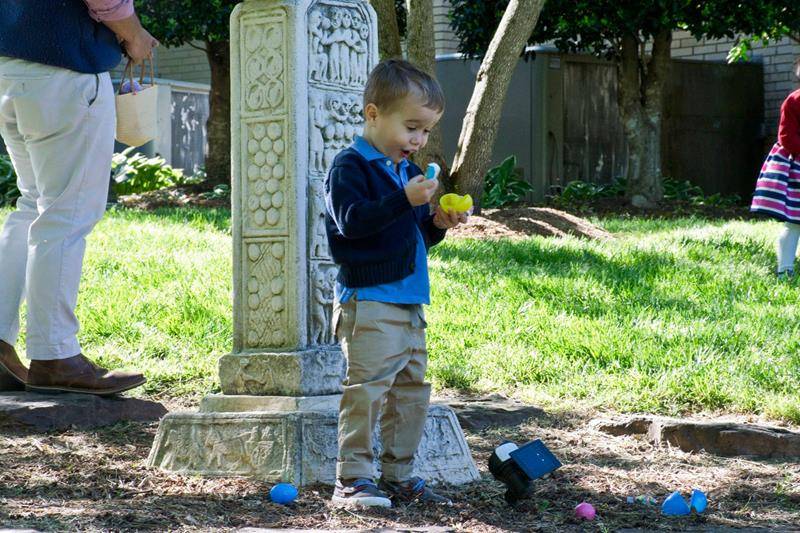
(386, 360)
(58, 127)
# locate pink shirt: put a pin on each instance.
(102, 10)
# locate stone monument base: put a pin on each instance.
(281, 438)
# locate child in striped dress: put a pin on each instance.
(777, 191)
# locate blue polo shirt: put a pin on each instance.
(413, 289)
(59, 33)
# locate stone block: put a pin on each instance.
(719, 438)
(312, 372)
(299, 447)
(221, 403)
(52, 412)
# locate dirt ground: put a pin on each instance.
(197, 195)
(97, 480)
(522, 222)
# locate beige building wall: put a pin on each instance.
(183, 63)
(446, 40)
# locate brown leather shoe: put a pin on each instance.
(13, 374)
(78, 374)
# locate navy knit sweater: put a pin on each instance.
(59, 33)
(370, 223)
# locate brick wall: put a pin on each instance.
(777, 58)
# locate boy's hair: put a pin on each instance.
(394, 79)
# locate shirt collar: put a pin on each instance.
(370, 153)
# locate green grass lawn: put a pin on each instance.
(670, 317)
(156, 295)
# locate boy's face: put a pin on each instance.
(402, 130)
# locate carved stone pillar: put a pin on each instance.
(298, 70)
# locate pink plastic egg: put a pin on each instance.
(585, 511)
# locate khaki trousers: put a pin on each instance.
(58, 126)
(384, 345)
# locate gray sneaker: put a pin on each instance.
(413, 490)
(359, 493)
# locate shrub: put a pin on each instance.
(579, 192)
(8, 182)
(504, 185)
(680, 190)
(138, 173)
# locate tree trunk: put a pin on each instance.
(422, 52)
(641, 103)
(388, 31)
(479, 130)
(218, 159)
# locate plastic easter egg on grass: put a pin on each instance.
(585, 511)
(283, 493)
(452, 202)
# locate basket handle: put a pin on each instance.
(127, 74)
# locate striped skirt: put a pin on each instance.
(778, 187)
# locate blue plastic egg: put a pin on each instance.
(283, 493)
(699, 501)
(675, 505)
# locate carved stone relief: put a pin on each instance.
(266, 190)
(318, 239)
(335, 119)
(339, 48)
(221, 444)
(266, 314)
(323, 281)
(263, 54)
(265, 446)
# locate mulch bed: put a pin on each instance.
(197, 195)
(97, 480)
(521, 222)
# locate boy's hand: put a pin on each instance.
(444, 220)
(419, 190)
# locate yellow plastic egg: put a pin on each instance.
(453, 202)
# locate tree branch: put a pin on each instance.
(658, 67)
(203, 48)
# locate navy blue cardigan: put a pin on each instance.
(370, 223)
(59, 33)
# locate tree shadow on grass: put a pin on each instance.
(635, 275)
